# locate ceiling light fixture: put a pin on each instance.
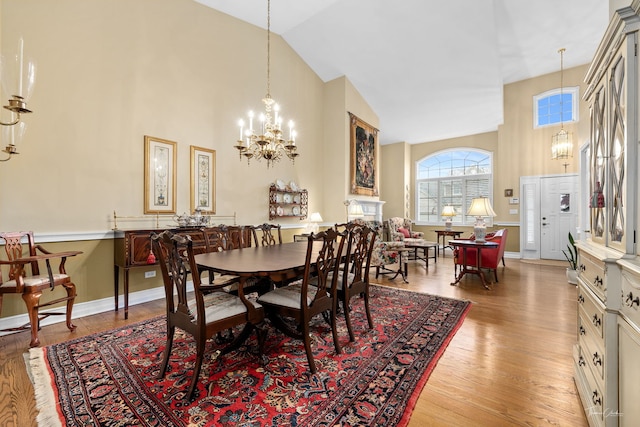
(562, 142)
(268, 143)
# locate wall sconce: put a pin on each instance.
(18, 78)
(480, 207)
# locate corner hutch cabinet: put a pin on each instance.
(607, 348)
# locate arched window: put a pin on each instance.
(549, 108)
(452, 177)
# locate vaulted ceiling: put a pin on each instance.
(432, 69)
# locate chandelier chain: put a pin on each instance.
(267, 140)
(268, 48)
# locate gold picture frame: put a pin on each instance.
(159, 176)
(364, 157)
(203, 180)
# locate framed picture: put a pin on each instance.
(159, 176)
(203, 180)
(364, 157)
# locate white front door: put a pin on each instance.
(549, 212)
(558, 214)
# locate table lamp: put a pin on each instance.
(480, 207)
(448, 212)
(312, 225)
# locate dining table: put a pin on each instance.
(280, 262)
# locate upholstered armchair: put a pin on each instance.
(400, 229)
(384, 252)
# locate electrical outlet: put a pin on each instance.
(149, 274)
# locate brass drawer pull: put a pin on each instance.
(581, 361)
(597, 281)
(596, 399)
(596, 320)
(581, 299)
(582, 330)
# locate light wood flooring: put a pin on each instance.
(509, 364)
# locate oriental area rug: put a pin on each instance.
(109, 379)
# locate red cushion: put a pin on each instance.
(404, 232)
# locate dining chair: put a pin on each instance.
(266, 234)
(207, 311)
(353, 277)
(314, 294)
(25, 279)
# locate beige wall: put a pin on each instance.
(518, 150)
(112, 71)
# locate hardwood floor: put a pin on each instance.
(509, 364)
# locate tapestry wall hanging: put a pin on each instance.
(364, 157)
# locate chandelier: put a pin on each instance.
(18, 77)
(561, 142)
(266, 141)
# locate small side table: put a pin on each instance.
(477, 269)
(425, 246)
(443, 234)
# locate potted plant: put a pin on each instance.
(571, 254)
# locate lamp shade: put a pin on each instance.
(355, 210)
(448, 211)
(481, 206)
(315, 217)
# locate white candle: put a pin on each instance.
(21, 62)
(241, 124)
(290, 128)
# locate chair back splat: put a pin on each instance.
(266, 234)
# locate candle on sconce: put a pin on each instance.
(290, 128)
(21, 66)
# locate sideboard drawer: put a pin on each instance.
(631, 296)
(593, 311)
(592, 271)
(590, 392)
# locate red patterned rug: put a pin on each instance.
(108, 379)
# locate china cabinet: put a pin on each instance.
(607, 347)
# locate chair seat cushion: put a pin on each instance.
(350, 277)
(289, 296)
(220, 305)
(33, 281)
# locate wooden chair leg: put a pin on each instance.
(200, 345)
(167, 351)
(334, 330)
(71, 295)
(31, 301)
(307, 346)
(366, 308)
(347, 317)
